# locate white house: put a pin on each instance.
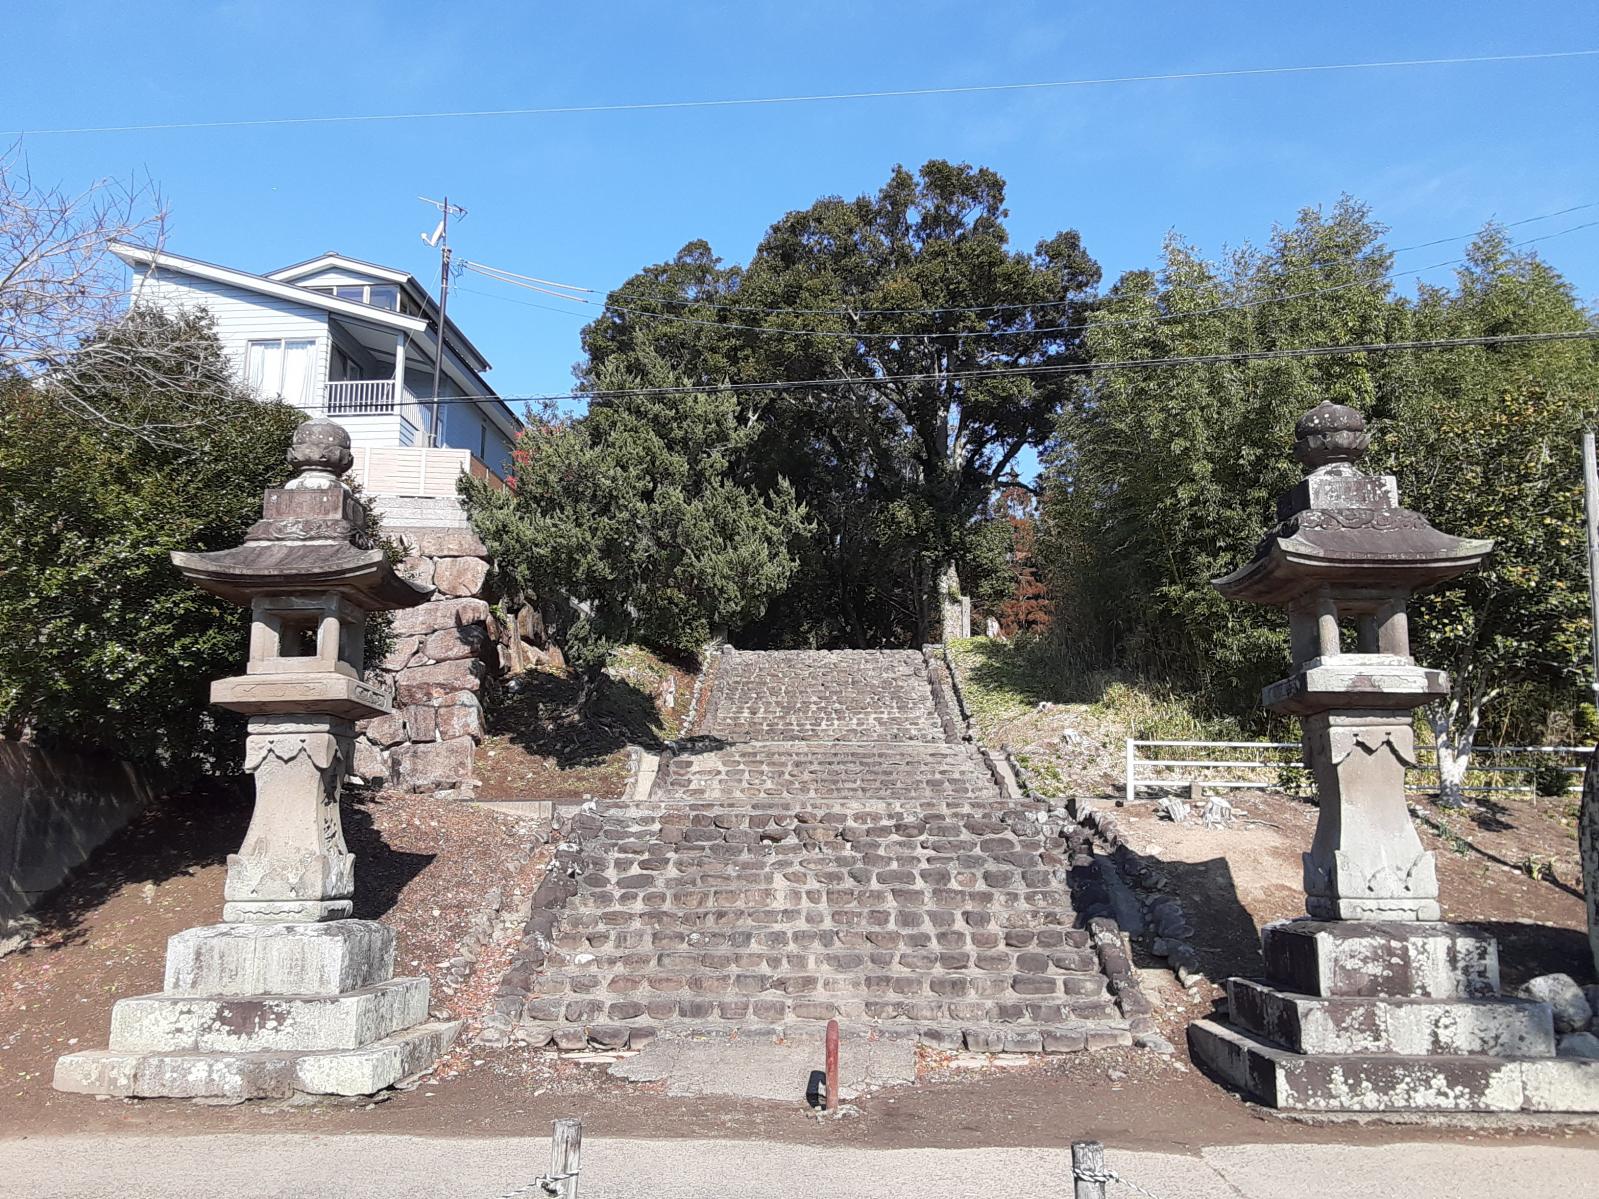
(346, 339)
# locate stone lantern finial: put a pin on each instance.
(320, 455)
(1330, 435)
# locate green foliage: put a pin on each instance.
(641, 520)
(103, 643)
(1165, 478)
(896, 472)
(1487, 443)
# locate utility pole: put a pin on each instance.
(440, 238)
(1590, 509)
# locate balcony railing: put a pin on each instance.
(416, 470)
(358, 397)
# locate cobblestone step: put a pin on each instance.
(883, 774)
(839, 695)
(838, 854)
(640, 1032)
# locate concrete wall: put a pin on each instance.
(56, 808)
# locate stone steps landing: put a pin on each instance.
(887, 772)
(947, 921)
(836, 695)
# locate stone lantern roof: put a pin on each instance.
(1341, 527)
(310, 539)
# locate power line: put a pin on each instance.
(1045, 370)
(896, 93)
(924, 335)
(549, 288)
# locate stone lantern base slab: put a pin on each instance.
(256, 1011)
(1389, 1017)
(195, 1075)
(1280, 1078)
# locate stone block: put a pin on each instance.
(1423, 960)
(279, 959)
(421, 723)
(267, 1023)
(1408, 1027)
(370, 762)
(460, 576)
(386, 730)
(462, 718)
(1356, 1083)
(363, 1071)
(416, 569)
(1560, 1084)
(458, 641)
(402, 653)
(421, 684)
(444, 543)
(435, 764)
(440, 614)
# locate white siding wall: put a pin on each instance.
(332, 277)
(241, 316)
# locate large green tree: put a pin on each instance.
(1165, 475)
(1486, 441)
(640, 520)
(141, 445)
(904, 295)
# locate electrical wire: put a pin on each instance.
(1046, 370)
(895, 93)
(480, 268)
(923, 335)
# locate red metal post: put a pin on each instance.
(832, 1065)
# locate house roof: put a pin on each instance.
(276, 284)
(419, 294)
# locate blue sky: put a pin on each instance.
(589, 198)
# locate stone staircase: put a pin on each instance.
(840, 852)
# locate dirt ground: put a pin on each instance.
(538, 748)
(426, 865)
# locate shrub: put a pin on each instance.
(146, 447)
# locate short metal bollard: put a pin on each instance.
(832, 1065)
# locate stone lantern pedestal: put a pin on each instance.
(1371, 1004)
(288, 994)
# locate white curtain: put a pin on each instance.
(297, 357)
(283, 369)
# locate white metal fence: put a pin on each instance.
(1261, 765)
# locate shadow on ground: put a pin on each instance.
(176, 835)
(538, 712)
(383, 871)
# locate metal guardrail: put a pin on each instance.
(1482, 765)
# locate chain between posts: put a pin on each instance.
(1104, 1176)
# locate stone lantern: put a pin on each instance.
(1346, 558)
(1371, 1003)
(288, 993)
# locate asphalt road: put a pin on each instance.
(299, 1166)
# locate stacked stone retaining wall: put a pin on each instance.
(443, 651)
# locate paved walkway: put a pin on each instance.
(388, 1167)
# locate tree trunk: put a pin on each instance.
(1454, 733)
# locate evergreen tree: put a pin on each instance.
(103, 643)
(901, 291)
(640, 521)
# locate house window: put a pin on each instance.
(379, 295)
(281, 368)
